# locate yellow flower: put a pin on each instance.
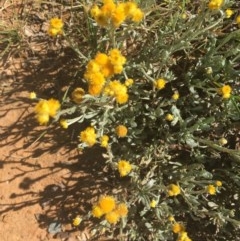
(226, 91)
(118, 15)
(215, 4)
(42, 118)
(97, 212)
(101, 59)
(116, 58)
(64, 123)
(77, 95)
(171, 219)
(218, 183)
(153, 203)
(88, 136)
(121, 131)
(94, 90)
(107, 204)
(173, 190)
(124, 167)
(122, 98)
(137, 16)
(183, 236)
(55, 27)
(160, 84)
(175, 96)
(42, 107)
(112, 217)
(46, 108)
(94, 11)
(169, 117)
(178, 228)
(228, 13)
(76, 221)
(128, 82)
(211, 190)
(56, 23)
(54, 106)
(122, 210)
(238, 19)
(32, 95)
(222, 141)
(104, 141)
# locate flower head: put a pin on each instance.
(183, 236)
(121, 131)
(45, 109)
(238, 20)
(175, 96)
(169, 117)
(122, 210)
(160, 84)
(55, 27)
(153, 203)
(112, 217)
(124, 167)
(77, 95)
(43, 118)
(54, 106)
(173, 190)
(32, 95)
(229, 13)
(222, 141)
(97, 211)
(128, 82)
(211, 190)
(107, 204)
(218, 183)
(104, 141)
(178, 228)
(88, 136)
(215, 4)
(76, 221)
(63, 123)
(226, 91)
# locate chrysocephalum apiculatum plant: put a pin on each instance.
(160, 94)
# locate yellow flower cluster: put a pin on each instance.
(88, 136)
(111, 14)
(179, 229)
(211, 189)
(46, 109)
(55, 27)
(225, 91)
(173, 190)
(124, 167)
(117, 90)
(215, 4)
(107, 206)
(101, 67)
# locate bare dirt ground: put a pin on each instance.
(46, 181)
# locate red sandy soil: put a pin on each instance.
(47, 180)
